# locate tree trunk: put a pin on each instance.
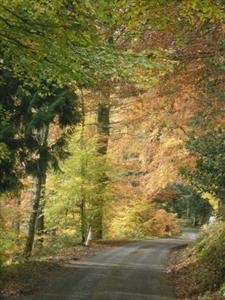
(16, 221)
(82, 173)
(98, 221)
(33, 216)
(40, 226)
(103, 120)
(83, 220)
(188, 211)
(221, 210)
(39, 178)
(194, 223)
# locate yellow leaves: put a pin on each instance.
(164, 224)
(212, 200)
(155, 126)
(139, 218)
(4, 152)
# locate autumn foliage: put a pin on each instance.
(99, 102)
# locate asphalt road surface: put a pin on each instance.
(134, 271)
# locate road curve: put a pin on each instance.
(135, 271)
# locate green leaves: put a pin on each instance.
(47, 40)
(209, 174)
(187, 202)
(78, 181)
(202, 11)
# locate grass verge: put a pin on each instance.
(198, 272)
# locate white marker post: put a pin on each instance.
(88, 242)
(212, 220)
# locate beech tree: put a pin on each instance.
(121, 23)
(55, 39)
(72, 194)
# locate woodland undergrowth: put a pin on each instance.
(199, 270)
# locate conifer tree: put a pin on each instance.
(11, 141)
(60, 106)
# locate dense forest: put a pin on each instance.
(112, 118)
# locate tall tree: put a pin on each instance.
(82, 173)
(60, 106)
(121, 23)
(74, 191)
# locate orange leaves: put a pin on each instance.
(139, 218)
(164, 224)
(153, 126)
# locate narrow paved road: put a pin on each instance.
(131, 272)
